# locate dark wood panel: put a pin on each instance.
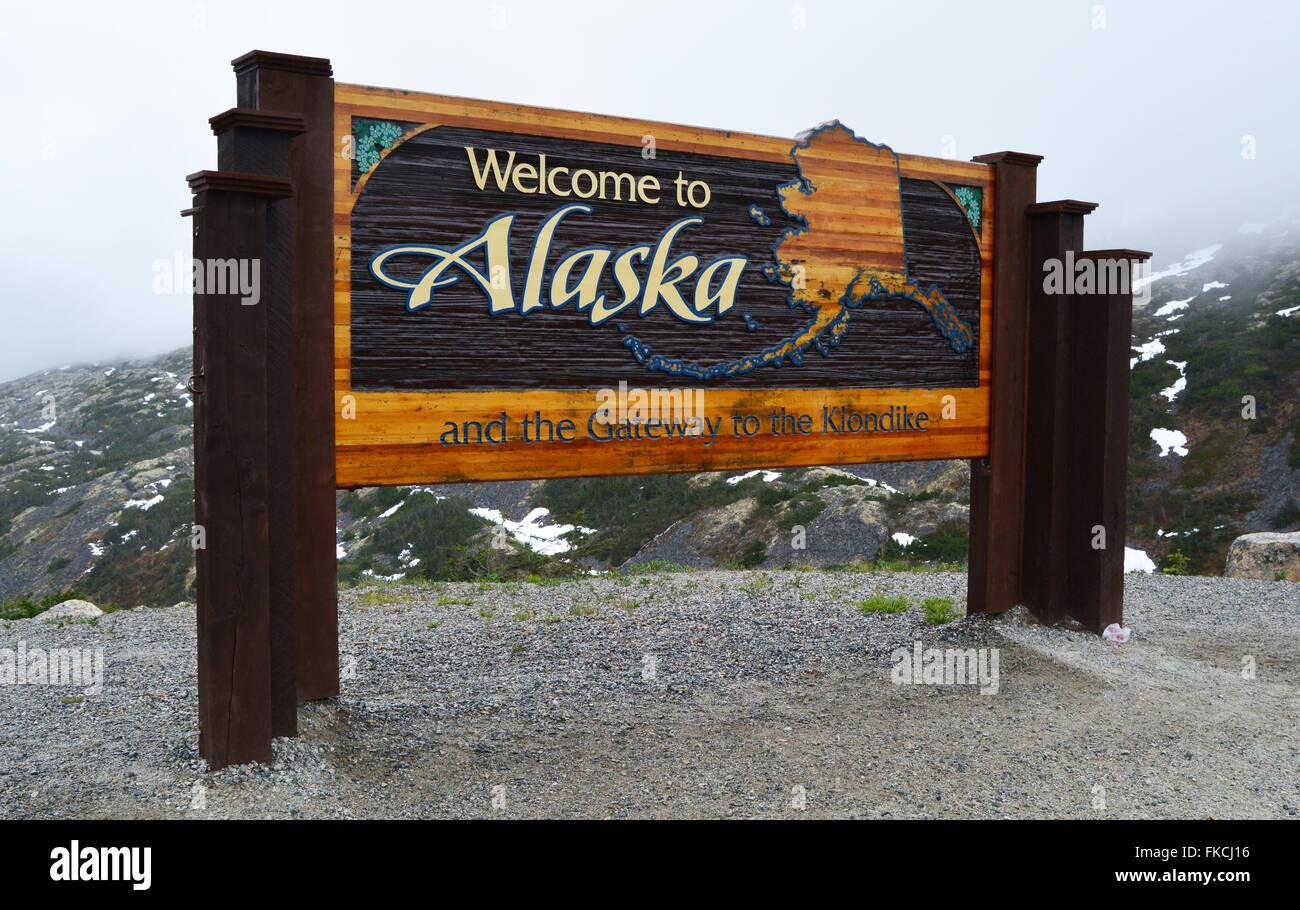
(422, 191)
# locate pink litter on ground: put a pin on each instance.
(1114, 632)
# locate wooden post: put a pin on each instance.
(235, 218)
(258, 142)
(303, 86)
(1100, 444)
(1057, 233)
(997, 483)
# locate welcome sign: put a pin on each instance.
(530, 293)
(522, 292)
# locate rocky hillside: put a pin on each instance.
(96, 482)
(1213, 444)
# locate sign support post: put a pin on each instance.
(236, 217)
(1104, 325)
(997, 482)
(303, 86)
(1056, 233)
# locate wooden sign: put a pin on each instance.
(529, 293)
(522, 292)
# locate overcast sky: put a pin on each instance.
(106, 107)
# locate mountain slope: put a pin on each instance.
(1204, 467)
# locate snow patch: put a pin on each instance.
(1174, 306)
(532, 533)
(1137, 561)
(880, 483)
(1192, 260)
(768, 476)
(1212, 285)
(903, 539)
(1146, 352)
(1181, 383)
(145, 504)
(1169, 441)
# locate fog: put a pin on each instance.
(1179, 119)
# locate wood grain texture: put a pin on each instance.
(251, 142)
(302, 88)
(366, 453)
(998, 483)
(1100, 448)
(233, 573)
(891, 354)
(1049, 527)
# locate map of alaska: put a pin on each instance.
(847, 249)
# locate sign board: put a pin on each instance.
(522, 292)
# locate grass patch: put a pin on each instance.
(939, 610)
(655, 565)
(379, 596)
(879, 603)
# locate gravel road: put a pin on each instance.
(693, 694)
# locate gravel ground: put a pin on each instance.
(694, 694)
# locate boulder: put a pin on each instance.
(850, 528)
(1264, 555)
(73, 609)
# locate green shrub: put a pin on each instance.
(1288, 515)
(753, 554)
(1174, 563)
